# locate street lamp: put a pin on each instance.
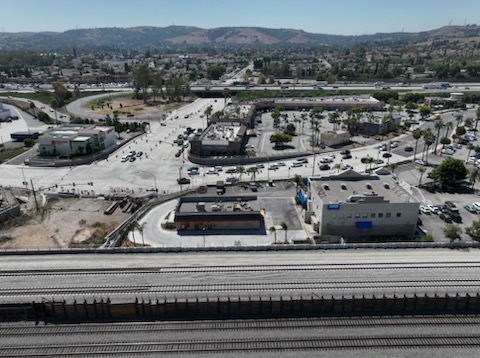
(203, 231)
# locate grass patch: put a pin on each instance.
(11, 153)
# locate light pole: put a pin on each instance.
(180, 178)
(203, 231)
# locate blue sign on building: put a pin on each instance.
(363, 225)
(333, 206)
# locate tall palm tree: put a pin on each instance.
(448, 126)
(392, 167)
(438, 125)
(429, 139)
(284, 226)
(470, 147)
(459, 118)
(369, 161)
(240, 170)
(417, 134)
(337, 166)
(253, 172)
(272, 229)
(422, 171)
(473, 176)
(477, 118)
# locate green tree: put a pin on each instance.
(449, 172)
(284, 226)
(424, 111)
(474, 230)
(240, 171)
(438, 125)
(215, 72)
(272, 229)
(452, 232)
(473, 176)
(142, 79)
(280, 138)
(429, 139)
(253, 172)
(417, 134)
(276, 113)
(421, 170)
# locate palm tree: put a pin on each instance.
(429, 139)
(473, 176)
(392, 167)
(369, 161)
(422, 171)
(438, 125)
(240, 170)
(253, 172)
(284, 226)
(207, 113)
(459, 118)
(337, 166)
(417, 134)
(272, 229)
(477, 118)
(470, 147)
(448, 126)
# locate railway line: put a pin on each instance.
(211, 281)
(257, 337)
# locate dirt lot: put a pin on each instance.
(61, 223)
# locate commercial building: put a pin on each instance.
(219, 213)
(76, 139)
(361, 207)
(219, 139)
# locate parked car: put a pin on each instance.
(343, 152)
(445, 217)
(253, 186)
(433, 208)
(470, 208)
(183, 180)
(476, 205)
(260, 166)
(408, 148)
(421, 162)
(425, 209)
(296, 164)
(231, 171)
(346, 156)
(324, 167)
(231, 180)
(451, 206)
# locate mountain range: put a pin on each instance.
(186, 36)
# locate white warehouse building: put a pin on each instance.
(361, 207)
(76, 139)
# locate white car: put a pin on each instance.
(212, 170)
(448, 151)
(433, 208)
(425, 209)
(476, 205)
(280, 164)
(326, 160)
(296, 164)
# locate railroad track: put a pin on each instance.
(313, 343)
(238, 325)
(241, 268)
(251, 288)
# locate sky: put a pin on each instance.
(340, 17)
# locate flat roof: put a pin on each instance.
(221, 133)
(80, 139)
(338, 188)
(218, 204)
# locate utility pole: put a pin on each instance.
(34, 194)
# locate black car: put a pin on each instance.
(343, 152)
(445, 217)
(387, 155)
(183, 181)
(324, 167)
(346, 156)
(455, 217)
(231, 171)
(451, 206)
(408, 149)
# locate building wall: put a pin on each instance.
(219, 225)
(354, 219)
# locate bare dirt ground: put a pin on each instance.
(61, 223)
(126, 105)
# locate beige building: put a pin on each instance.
(361, 207)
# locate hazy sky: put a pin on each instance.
(344, 17)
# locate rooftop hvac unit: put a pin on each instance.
(386, 185)
(343, 186)
(368, 185)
